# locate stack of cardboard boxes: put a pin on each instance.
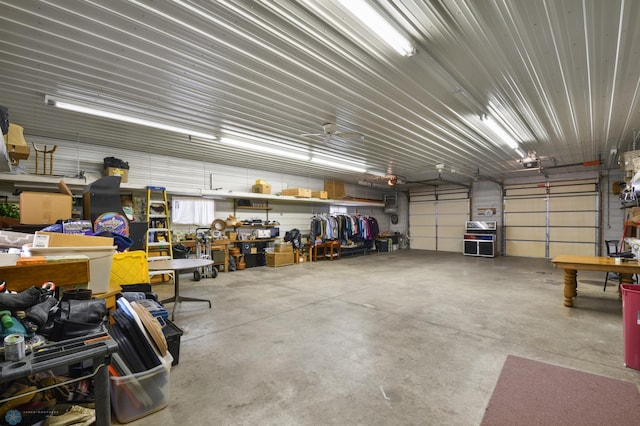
(282, 255)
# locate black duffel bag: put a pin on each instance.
(76, 318)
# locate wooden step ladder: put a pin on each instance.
(158, 238)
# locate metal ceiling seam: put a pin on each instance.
(561, 68)
(589, 77)
(615, 68)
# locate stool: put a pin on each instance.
(44, 151)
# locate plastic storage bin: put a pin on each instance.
(172, 333)
(631, 325)
(383, 245)
(140, 394)
(100, 258)
(130, 267)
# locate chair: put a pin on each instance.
(612, 251)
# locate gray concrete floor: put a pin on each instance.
(402, 338)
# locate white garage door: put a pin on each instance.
(437, 217)
(551, 218)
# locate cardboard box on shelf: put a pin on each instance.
(335, 190)
(44, 208)
(57, 239)
(279, 259)
(18, 152)
(323, 195)
(261, 188)
(15, 136)
(114, 171)
(297, 192)
(283, 248)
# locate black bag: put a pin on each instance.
(76, 318)
(294, 237)
(180, 251)
(115, 162)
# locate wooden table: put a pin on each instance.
(572, 264)
(332, 249)
(178, 266)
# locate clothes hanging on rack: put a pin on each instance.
(343, 227)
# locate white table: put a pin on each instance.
(178, 266)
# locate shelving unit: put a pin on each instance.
(38, 182)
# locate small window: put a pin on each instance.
(338, 209)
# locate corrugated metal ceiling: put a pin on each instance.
(563, 75)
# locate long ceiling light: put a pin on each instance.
(503, 135)
(334, 164)
(372, 19)
(69, 106)
(265, 149)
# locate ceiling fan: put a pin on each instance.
(331, 129)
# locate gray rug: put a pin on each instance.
(535, 393)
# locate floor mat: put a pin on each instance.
(535, 393)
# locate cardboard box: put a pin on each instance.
(297, 192)
(323, 195)
(44, 208)
(15, 135)
(283, 248)
(261, 188)
(335, 190)
(279, 259)
(114, 171)
(18, 152)
(57, 239)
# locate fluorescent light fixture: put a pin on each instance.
(332, 163)
(376, 173)
(520, 152)
(498, 130)
(372, 19)
(121, 117)
(262, 148)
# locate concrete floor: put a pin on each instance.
(402, 338)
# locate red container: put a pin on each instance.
(631, 325)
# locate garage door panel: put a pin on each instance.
(453, 220)
(452, 207)
(422, 220)
(526, 191)
(574, 249)
(572, 203)
(451, 232)
(525, 248)
(572, 219)
(423, 231)
(526, 205)
(573, 188)
(525, 219)
(583, 235)
(422, 208)
(528, 233)
(450, 244)
(422, 243)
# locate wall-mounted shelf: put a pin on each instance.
(43, 183)
(252, 208)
